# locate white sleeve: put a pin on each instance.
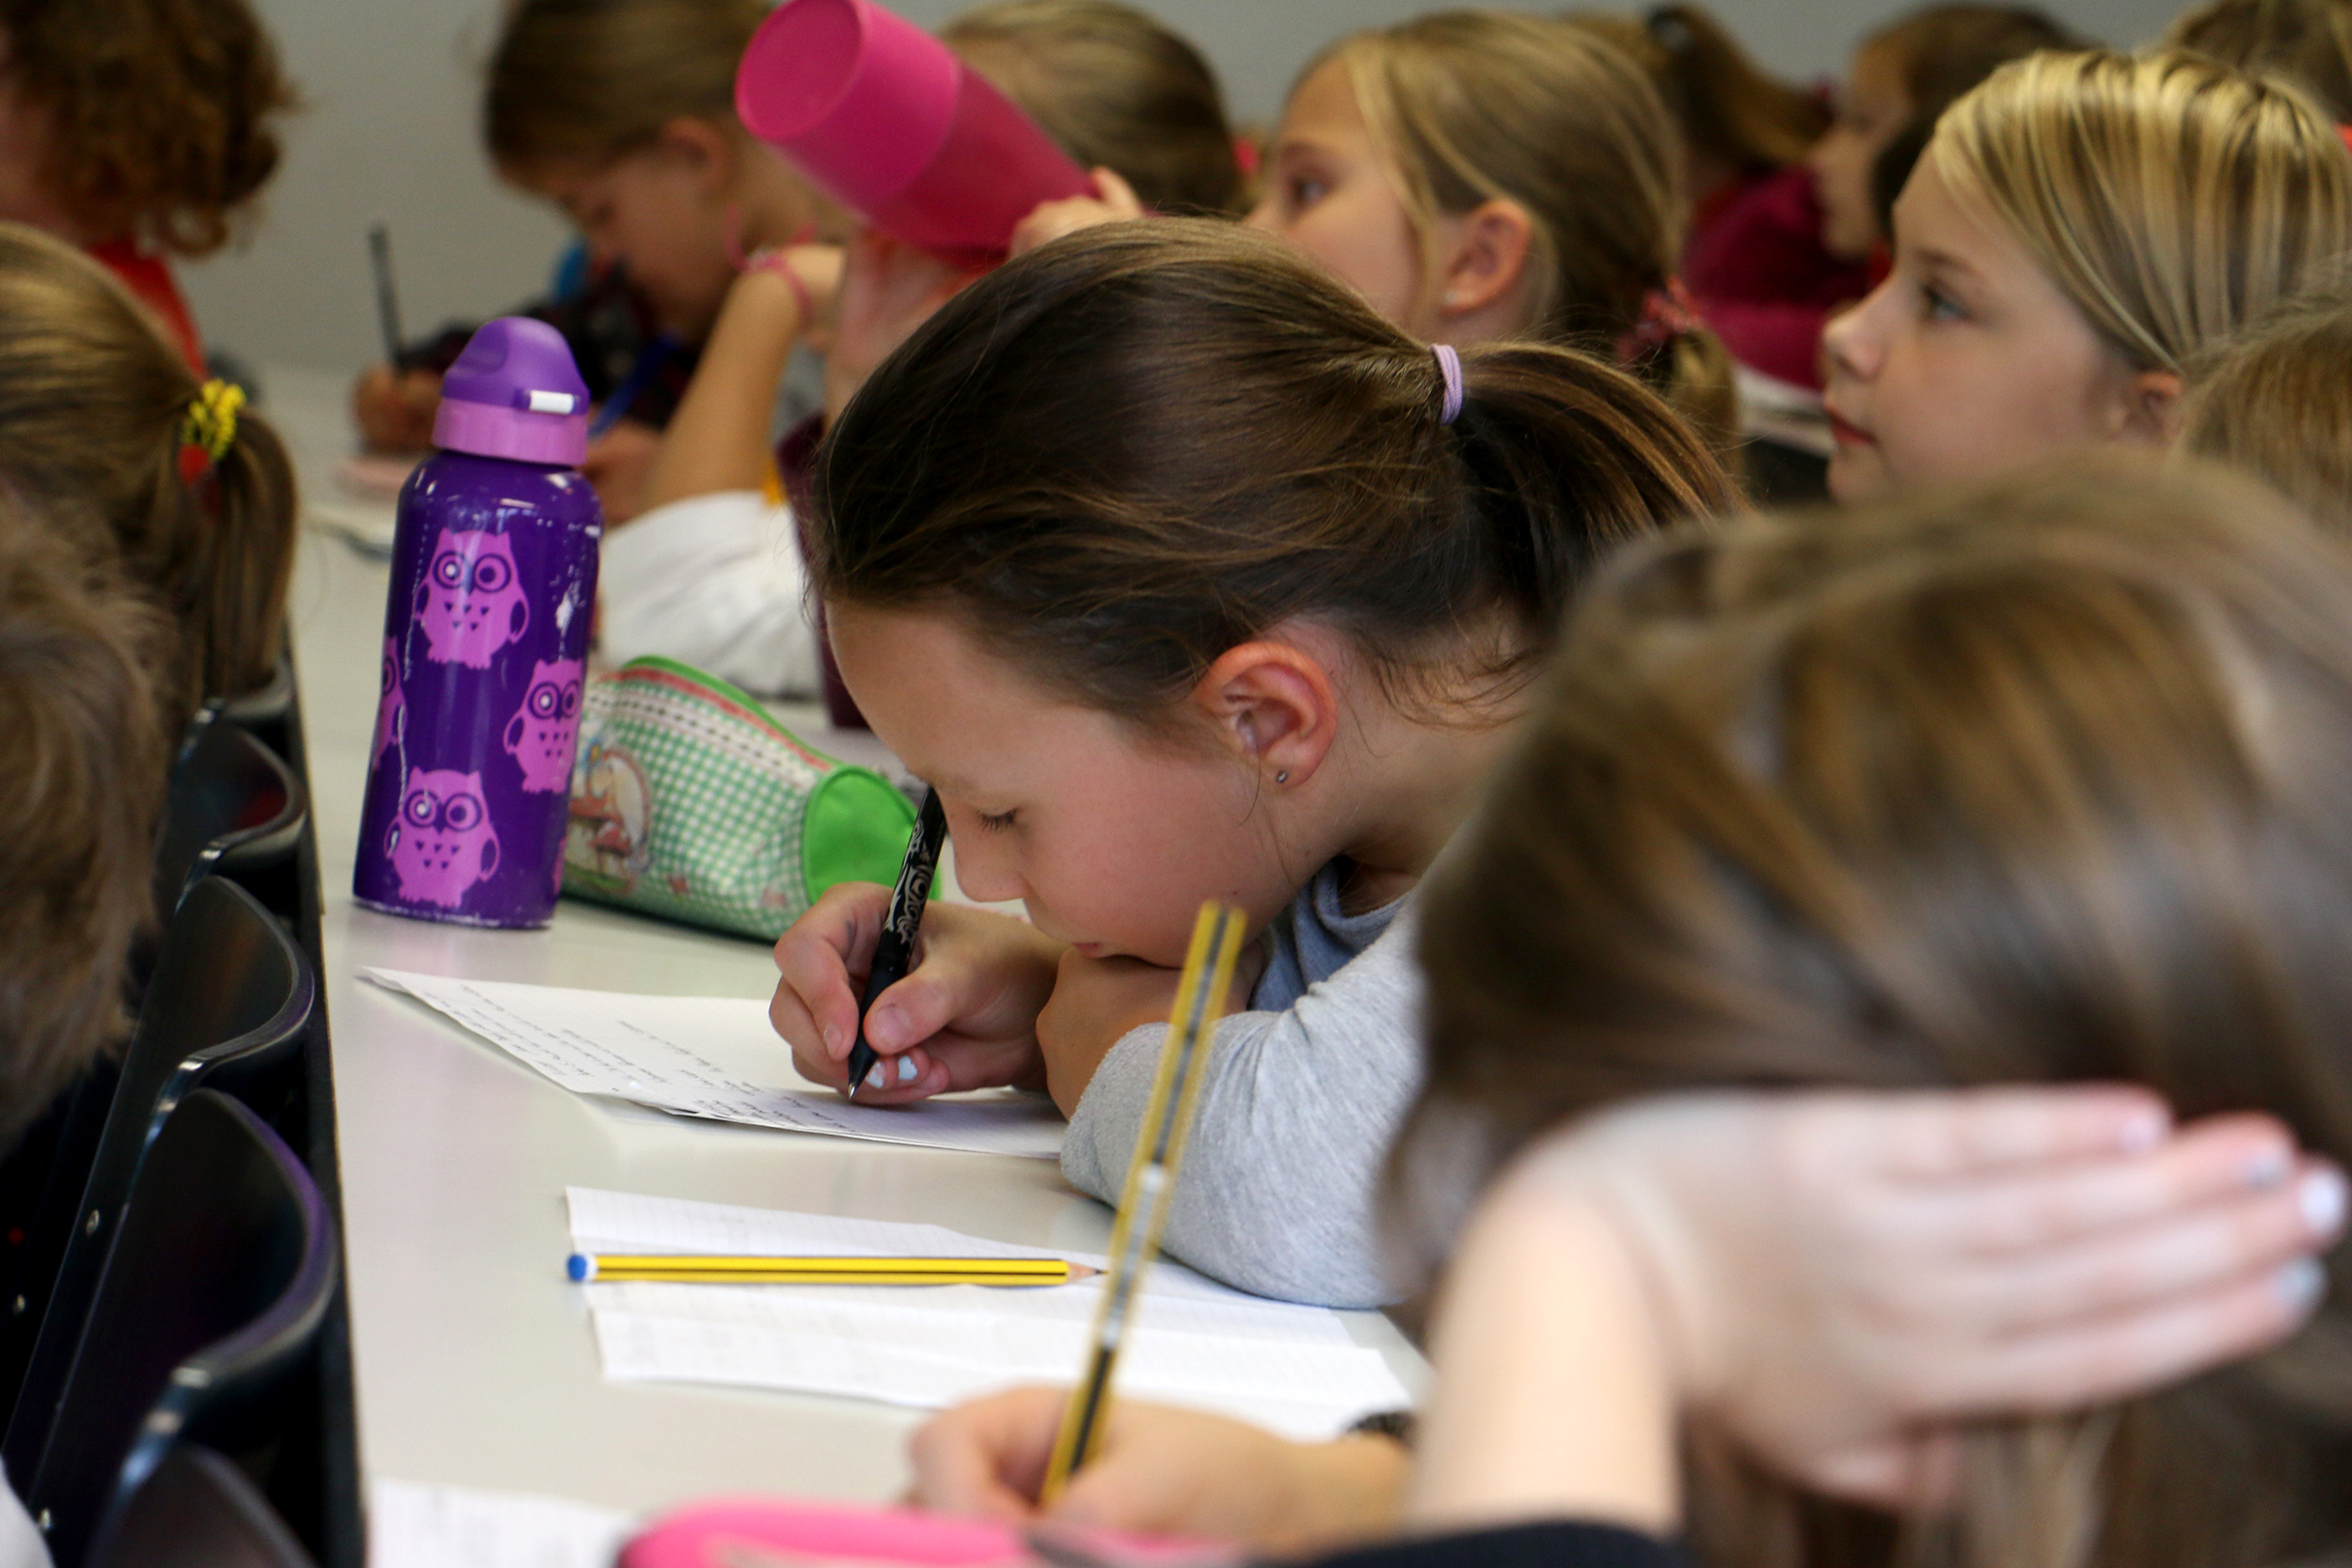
(21, 1545)
(1279, 1190)
(714, 581)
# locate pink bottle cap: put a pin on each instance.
(888, 121)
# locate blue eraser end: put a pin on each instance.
(580, 1266)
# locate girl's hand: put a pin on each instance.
(964, 1016)
(1098, 1002)
(1161, 1471)
(1836, 1275)
(394, 409)
(619, 465)
(888, 290)
(1113, 201)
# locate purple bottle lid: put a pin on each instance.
(515, 392)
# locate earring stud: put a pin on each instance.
(1282, 777)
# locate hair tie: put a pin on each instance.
(1667, 313)
(1449, 371)
(208, 428)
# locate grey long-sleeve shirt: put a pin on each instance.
(1305, 1094)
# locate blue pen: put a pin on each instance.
(649, 360)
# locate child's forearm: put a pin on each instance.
(1554, 1397)
(718, 441)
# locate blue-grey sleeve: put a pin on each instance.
(1278, 1195)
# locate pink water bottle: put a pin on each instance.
(888, 121)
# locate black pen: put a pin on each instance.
(386, 301)
(896, 945)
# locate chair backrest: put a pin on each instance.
(196, 1510)
(214, 1289)
(230, 998)
(234, 807)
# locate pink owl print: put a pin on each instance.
(442, 843)
(541, 734)
(469, 602)
(392, 709)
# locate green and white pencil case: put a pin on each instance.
(690, 802)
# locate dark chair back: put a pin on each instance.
(229, 999)
(197, 1510)
(235, 808)
(212, 1292)
(267, 711)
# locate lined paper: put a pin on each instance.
(1193, 1342)
(714, 1057)
(413, 1525)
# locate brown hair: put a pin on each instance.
(82, 766)
(2038, 781)
(1940, 54)
(93, 405)
(591, 81)
(2273, 401)
(1472, 106)
(161, 114)
(1116, 88)
(2171, 200)
(2308, 41)
(1127, 451)
(1728, 105)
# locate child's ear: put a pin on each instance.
(699, 148)
(2152, 412)
(1489, 258)
(1273, 704)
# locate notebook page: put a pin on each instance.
(412, 1524)
(1193, 1342)
(713, 1057)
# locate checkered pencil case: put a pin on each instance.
(690, 802)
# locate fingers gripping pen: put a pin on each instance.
(895, 948)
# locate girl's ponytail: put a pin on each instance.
(227, 583)
(169, 482)
(1571, 458)
(1133, 449)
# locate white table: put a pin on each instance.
(474, 1362)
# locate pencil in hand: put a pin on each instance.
(695, 1269)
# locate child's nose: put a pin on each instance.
(1849, 343)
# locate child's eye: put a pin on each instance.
(1941, 306)
(1306, 193)
(996, 822)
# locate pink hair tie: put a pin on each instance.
(1450, 369)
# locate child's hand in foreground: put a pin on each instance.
(964, 1018)
(1836, 1278)
(1113, 201)
(1159, 1470)
(1893, 1259)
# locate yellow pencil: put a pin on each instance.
(1200, 997)
(691, 1268)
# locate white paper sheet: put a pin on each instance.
(1192, 1343)
(711, 1056)
(412, 1524)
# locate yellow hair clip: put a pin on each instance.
(208, 428)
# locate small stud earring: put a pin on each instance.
(1282, 777)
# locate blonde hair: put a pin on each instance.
(2170, 199)
(2037, 780)
(94, 405)
(2274, 402)
(82, 767)
(2308, 41)
(1474, 106)
(592, 81)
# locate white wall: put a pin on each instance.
(390, 132)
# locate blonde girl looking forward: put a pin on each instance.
(1479, 175)
(2080, 227)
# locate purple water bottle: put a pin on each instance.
(486, 638)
